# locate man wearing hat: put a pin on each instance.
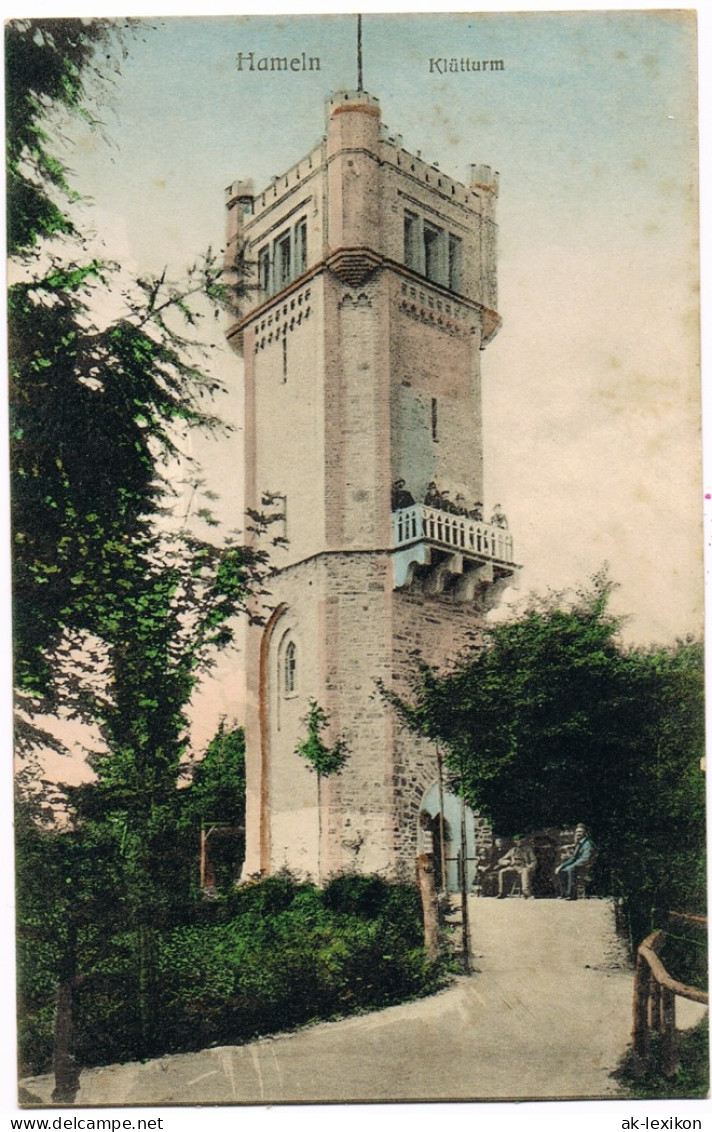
(519, 863)
(577, 864)
(400, 496)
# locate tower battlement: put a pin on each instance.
(360, 202)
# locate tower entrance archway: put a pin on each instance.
(445, 823)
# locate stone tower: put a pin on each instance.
(371, 284)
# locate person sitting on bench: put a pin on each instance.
(519, 862)
(577, 865)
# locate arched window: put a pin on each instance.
(290, 669)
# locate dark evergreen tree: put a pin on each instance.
(116, 609)
(555, 722)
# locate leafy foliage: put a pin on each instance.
(323, 759)
(692, 1078)
(49, 64)
(284, 954)
(554, 722)
(216, 796)
(117, 609)
(217, 790)
(80, 391)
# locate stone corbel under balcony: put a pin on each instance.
(436, 552)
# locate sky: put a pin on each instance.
(592, 386)
(591, 389)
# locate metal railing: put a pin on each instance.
(456, 532)
(654, 994)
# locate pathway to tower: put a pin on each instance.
(546, 1014)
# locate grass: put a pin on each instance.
(692, 1079)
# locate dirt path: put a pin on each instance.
(547, 1014)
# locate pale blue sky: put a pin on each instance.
(588, 104)
(591, 387)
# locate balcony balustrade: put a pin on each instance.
(457, 532)
(438, 551)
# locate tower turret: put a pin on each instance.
(353, 184)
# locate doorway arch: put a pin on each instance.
(446, 829)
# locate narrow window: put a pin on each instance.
(454, 263)
(263, 271)
(432, 240)
(290, 669)
(282, 261)
(284, 358)
(300, 247)
(434, 417)
(410, 251)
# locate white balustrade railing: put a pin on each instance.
(456, 532)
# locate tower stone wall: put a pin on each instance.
(369, 292)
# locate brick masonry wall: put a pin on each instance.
(351, 631)
(349, 412)
(434, 355)
(287, 373)
(440, 630)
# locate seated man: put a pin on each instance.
(518, 863)
(577, 865)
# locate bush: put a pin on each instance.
(283, 954)
(691, 1080)
(357, 895)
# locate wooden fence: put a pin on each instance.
(654, 994)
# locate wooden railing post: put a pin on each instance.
(429, 900)
(656, 1021)
(668, 1060)
(654, 991)
(641, 989)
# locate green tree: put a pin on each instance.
(116, 612)
(217, 789)
(98, 402)
(50, 66)
(553, 722)
(322, 758)
(215, 799)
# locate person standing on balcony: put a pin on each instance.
(499, 519)
(400, 496)
(475, 512)
(446, 503)
(433, 498)
(460, 504)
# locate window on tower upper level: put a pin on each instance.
(454, 262)
(264, 272)
(433, 246)
(410, 241)
(283, 261)
(283, 258)
(432, 251)
(300, 247)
